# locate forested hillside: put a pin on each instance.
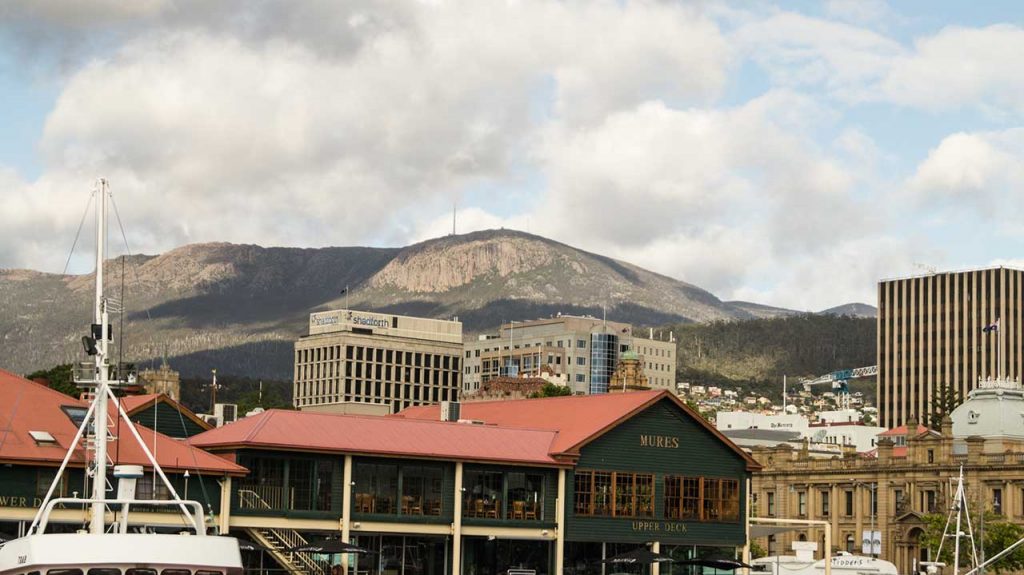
(755, 354)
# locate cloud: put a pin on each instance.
(978, 172)
(960, 67)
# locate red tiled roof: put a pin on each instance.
(577, 419)
(29, 406)
(902, 430)
(382, 435)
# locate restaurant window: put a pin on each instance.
(606, 493)
(44, 478)
(482, 495)
(310, 484)
(704, 499)
(421, 490)
(148, 487)
(525, 496)
(375, 487)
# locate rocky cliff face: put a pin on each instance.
(239, 308)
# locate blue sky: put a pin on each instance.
(789, 153)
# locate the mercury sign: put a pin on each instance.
(325, 320)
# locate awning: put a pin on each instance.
(766, 530)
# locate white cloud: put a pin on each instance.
(978, 171)
(960, 67)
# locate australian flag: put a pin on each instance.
(991, 327)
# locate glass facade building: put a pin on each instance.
(604, 353)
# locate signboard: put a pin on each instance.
(871, 542)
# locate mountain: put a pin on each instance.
(762, 311)
(852, 310)
(755, 354)
(239, 308)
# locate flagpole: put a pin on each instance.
(999, 349)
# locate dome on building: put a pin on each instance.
(629, 354)
(994, 409)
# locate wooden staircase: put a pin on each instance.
(279, 541)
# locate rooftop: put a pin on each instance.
(27, 406)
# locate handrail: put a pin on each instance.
(197, 507)
(290, 538)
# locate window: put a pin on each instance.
(581, 343)
(851, 544)
(931, 456)
(997, 501)
(772, 545)
(825, 503)
(482, 494)
(581, 360)
(526, 496)
(606, 493)
(580, 378)
(151, 488)
(848, 503)
(421, 490)
(376, 487)
(801, 503)
(770, 497)
(704, 499)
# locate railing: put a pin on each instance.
(279, 541)
(272, 496)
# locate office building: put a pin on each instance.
(373, 363)
(585, 349)
(930, 336)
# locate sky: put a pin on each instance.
(790, 153)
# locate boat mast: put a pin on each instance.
(99, 485)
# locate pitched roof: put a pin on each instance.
(29, 406)
(577, 419)
(135, 403)
(328, 432)
(902, 430)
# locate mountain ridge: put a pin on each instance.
(239, 307)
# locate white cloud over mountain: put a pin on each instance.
(619, 127)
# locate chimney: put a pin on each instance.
(884, 450)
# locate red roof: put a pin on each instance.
(577, 419)
(29, 406)
(326, 432)
(902, 430)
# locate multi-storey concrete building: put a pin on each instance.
(361, 362)
(930, 335)
(585, 349)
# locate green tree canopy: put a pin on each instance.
(58, 377)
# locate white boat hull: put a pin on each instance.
(124, 551)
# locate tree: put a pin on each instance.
(756, 551)
(944, 400)
(59, 378)
(552, 390)
(999, 534)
